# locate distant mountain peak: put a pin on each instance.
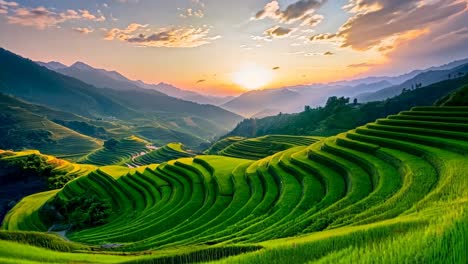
(52, 65)
(81, 65)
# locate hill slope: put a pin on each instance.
(163, 154)
(457, 98)
(257, 148)
(23, 125)
(116, 152)
(28, 172)
(339, 115)
(387, 191)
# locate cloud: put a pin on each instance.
(123, 34)
(441, 43)
(376, 23)
(362, 65)
(457, 33)
(299, 11)
(278, 32)
(83, 30)
(271, 10)
(189, 12)
(327, 53)
(42, 18)
(176, 37)
(85, 14)
(4, 6)
(312, 20)
(323, 36)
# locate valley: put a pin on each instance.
(384, 182)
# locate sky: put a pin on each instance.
(225, 47)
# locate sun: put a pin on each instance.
(253, 77)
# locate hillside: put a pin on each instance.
(340, 115)
(116, 152)
(389, 191)
(28, 172)
(26, 126)
(257, 148)
(457, 98)
(163, 154)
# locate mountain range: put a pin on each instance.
(293, 99)
(148, 113)
(101, 78)
(261, 103)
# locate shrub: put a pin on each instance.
(80, 212)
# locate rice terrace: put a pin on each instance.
(245, 158)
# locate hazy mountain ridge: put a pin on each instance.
(421, 79)
(364, 89)
(102, 78)
(253, 102)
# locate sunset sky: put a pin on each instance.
(224, 46)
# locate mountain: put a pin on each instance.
(184, 94)
(52, 65)
(422, 79)
(253, 102)
(102, 78)
(136, 108)
(262, 103)
(98, 77)
(395, 80)
(339, 115)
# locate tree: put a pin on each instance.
(80, 212)
(355, 101)
(111, 143)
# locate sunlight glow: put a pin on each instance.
(253, 77)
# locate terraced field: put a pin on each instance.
(168, 152)
(120, 154)
(258, 148)
(392, 191)
(62, 171)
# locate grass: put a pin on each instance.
(387, 192)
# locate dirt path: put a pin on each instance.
(62, 233)
(151, 148)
